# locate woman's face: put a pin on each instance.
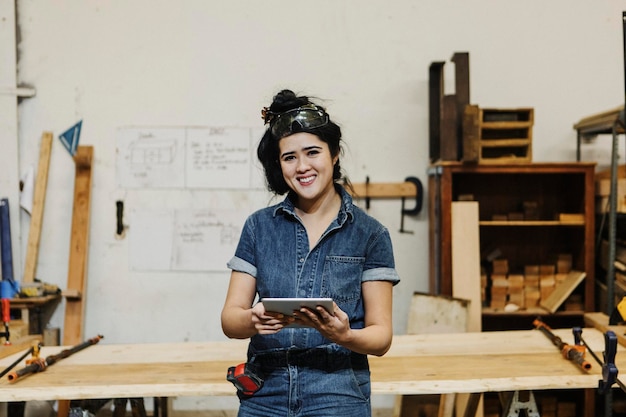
(307, 165)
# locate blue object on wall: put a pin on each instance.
(70, 138)
(6, 252)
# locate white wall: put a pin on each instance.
(210, 63)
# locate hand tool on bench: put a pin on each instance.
(574, 353)
(40, 365)
(35, 352)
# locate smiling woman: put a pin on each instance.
(314, 244)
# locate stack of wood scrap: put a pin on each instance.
(546, 285)
(532, 290)
(547, 280)
(499, 283)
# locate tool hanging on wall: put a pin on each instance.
(410, 188)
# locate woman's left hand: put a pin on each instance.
(333, 325)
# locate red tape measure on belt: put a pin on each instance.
(244, 378)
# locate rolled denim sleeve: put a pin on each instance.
(245, 258)
(379, 263)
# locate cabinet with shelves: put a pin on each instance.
(528, 214)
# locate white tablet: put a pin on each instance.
(288, 305)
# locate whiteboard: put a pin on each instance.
(184, 239)
(187, 157)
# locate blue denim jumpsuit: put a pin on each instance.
(306, 374)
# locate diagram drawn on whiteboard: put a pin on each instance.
(151, 158)
(187, 157)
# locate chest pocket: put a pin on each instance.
(342, 278)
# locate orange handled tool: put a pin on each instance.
(575, 353)
(6, 318)
(6, 310)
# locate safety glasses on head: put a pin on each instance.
(300, 119)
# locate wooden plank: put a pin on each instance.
(471, 134)
(79, 250)
(435, 98)
(562, 291)
(466, 273)
(450, 140)
(461, 89)
(600, 321)
(79, 247)
(466, 259)
(384, 190)
(36, 216)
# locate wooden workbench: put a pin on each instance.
(421, 364)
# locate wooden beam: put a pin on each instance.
(384, 190)
(79, 247)
(36, 216)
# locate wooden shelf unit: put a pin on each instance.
(563, 221)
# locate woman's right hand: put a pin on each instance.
(268, 322)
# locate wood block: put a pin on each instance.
(466, 197)
(547, 269)
(532, 295)
(531, 270)
(571, 217)
(560, 277)
(546, 292)
(516, 282)
(499, 292)
(563, 266)
(531, 280)
(499, 281)
(518, 299)
(547, 281)
(500, 266)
